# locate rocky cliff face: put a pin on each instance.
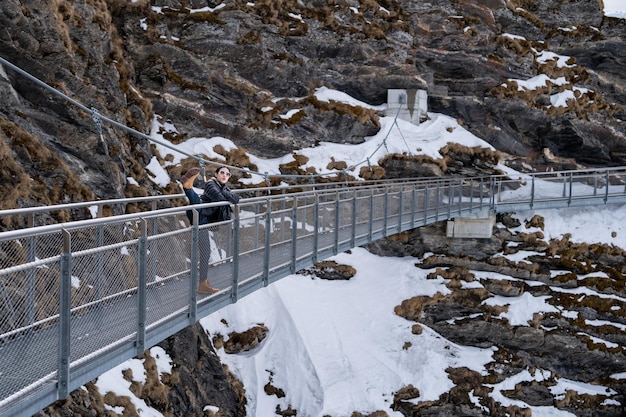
(569, 347)
(233, 68)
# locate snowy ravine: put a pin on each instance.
(336, 347)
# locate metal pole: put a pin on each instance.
(413, 206)
(266, 253)
(193, 267)
(480, 192)
(353, 235)
(437, 201)
(142, 287)
(426, 203)
(460, 195)
(235, 287)
(316, 228)
(336, 244)
(371, 225)
(471, 202)
(571, 181)
(532, 191)
(450, 192)
(294, 236)
(385, 211)
(492, 193)
(65, 301)
(400, 208)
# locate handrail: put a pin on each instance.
(31, 212)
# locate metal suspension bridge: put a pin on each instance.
(79, 298)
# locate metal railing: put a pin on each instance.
(79, 298)
(41, 215)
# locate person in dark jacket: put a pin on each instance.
(215, 190)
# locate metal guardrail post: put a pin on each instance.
(353, 234)
(471, 197)
(235, 288)
(460, 196)
(336, 243)
(316, 228)
(294, 236)
(400, 208)
(371, 225)
(193, 268)
(532, 191)
(450, 199)
(266, 253)
(385, 211)
(480, 191)
(142, 266)
(437, 201)
(426, 202)
(413, 207)
(65, 305)
(569, 198)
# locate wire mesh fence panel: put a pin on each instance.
(169, 282)
(28, 276)
(280, 238)
(379, 212)
(304, 230)
(252, 246)
(362, 215)
(345, 208)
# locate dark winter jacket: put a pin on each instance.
(214, 191)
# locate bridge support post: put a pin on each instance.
(413, 207)
(400, 208)
(385, 211)
(336, 243)
(316, 227)
(294, 236)
(371, 225)
(65, 301)
(235, 286)
(140, 341)
(193, 268)
(437, 202)
(266, 253)
(353, 232)
(426, 203)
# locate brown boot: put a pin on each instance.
(205, 288)
(189, 177)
